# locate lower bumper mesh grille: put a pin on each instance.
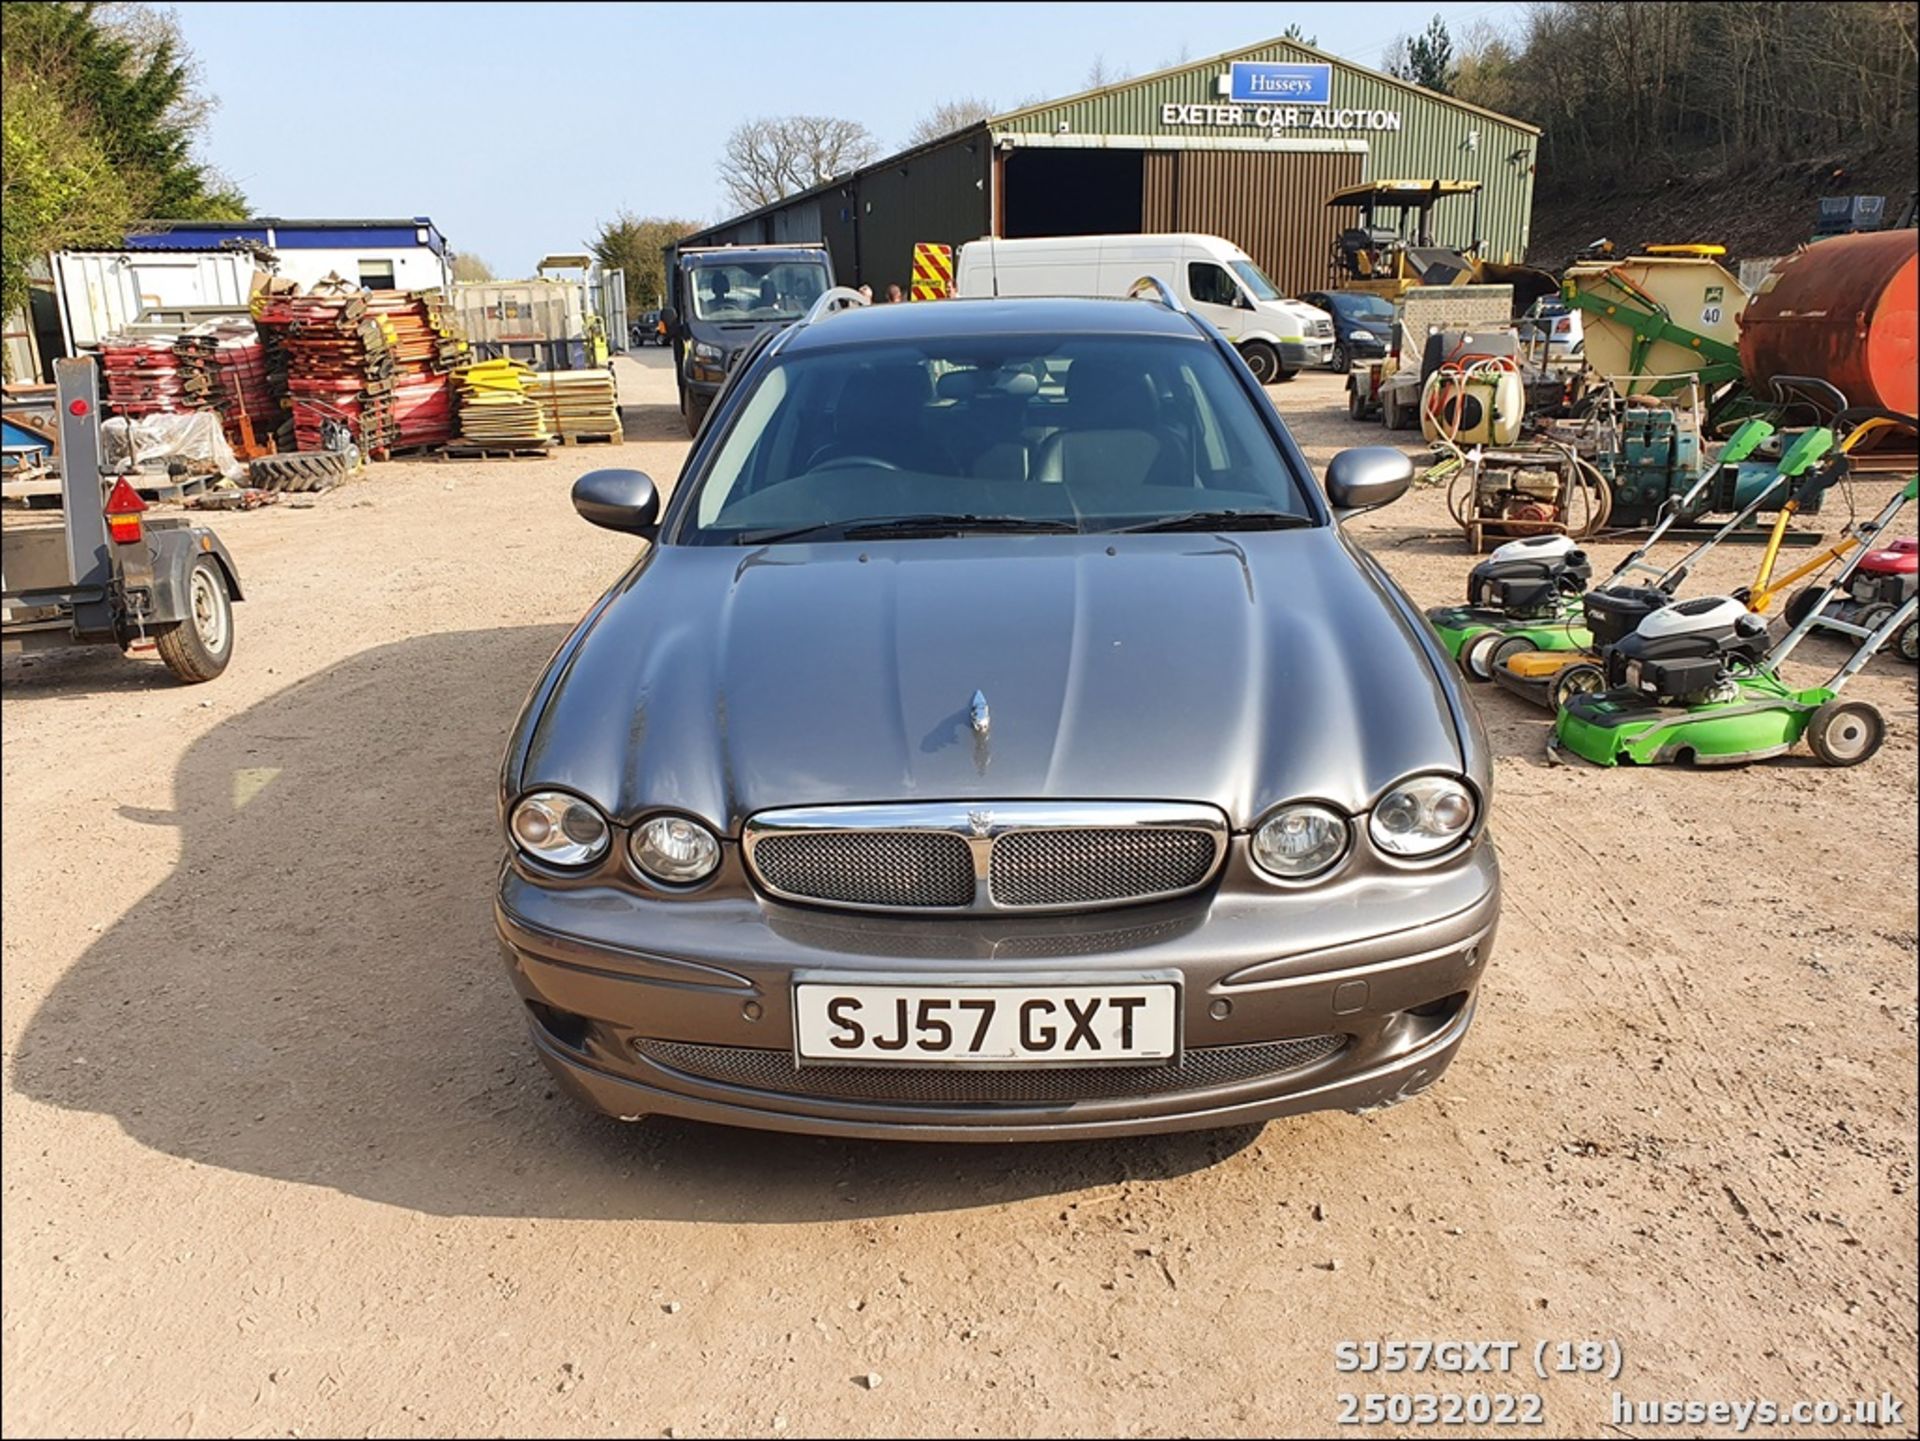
(774, 1071)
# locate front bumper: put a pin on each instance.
(1301, 354)
(1360, 992)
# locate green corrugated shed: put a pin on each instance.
(1374, 127)
(1432, 141)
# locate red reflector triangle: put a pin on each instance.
(124, 499)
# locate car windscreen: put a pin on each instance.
(1365, 307)
(743, 291)
(1252, 277)
(1080, 433)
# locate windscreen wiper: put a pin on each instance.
(1221, 520)
(905, 525)
(909, 525)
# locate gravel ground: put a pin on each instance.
(279, 1159)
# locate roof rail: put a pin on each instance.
(838, 298)
(1152, 287)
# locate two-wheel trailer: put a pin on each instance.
(109, 574)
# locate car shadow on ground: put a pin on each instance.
(314, 994)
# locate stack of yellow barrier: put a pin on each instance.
(495, 408)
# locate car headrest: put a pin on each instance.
(1110, 395)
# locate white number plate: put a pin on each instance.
(1017, 1025)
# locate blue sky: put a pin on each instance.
(517, 127)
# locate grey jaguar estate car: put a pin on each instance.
(999, 738)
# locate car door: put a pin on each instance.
(1214, 293)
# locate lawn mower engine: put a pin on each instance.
(1614, 612)
(1882, 583)
(1684, 654)
(1528, 578)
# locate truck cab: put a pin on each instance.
(724, 297)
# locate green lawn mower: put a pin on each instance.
(1698, 681)
(1526, 595)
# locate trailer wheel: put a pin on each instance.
(1846, 732)
(198, 648)
(297, 470)
(1356, 407)
(1263, 360)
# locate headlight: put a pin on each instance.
(1422, 817)
(674, 850)
(1359, 335)
(558, 829)
(1300, 841)
(703, 351)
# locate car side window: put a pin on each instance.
(1209, 284)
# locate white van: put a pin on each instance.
(1277, 336)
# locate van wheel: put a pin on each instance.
(1342, 362)
(1263, 360)
(694, 410)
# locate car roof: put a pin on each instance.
(1026, 315)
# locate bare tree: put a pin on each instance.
(1100, 73)
(949, 116)
(773, 157)
(468, 268)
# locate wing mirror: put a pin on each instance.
(671, 319)
(1366, 478)
(623, 500)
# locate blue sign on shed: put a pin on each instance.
(1255, 82)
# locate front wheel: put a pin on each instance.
(1846, 732)
(694, 408)
(1908, 643)
(1263, 360)
(1342, 362)
(199, 647)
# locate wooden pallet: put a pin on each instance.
(44, 493)
(593, 437)
(470, 451)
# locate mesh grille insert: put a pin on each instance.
(1064, 867)
(870, 868)
(774, 1071)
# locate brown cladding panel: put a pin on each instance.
(1272, 204)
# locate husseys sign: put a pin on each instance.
(1278, 98)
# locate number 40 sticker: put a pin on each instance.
(1715, 297)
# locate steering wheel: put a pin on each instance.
(841, 462)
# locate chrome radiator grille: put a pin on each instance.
(1022, 856)
(879, 868)
(1323, 329)
(774, 1071)
(1066, 868)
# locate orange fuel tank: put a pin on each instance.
(1841, 310)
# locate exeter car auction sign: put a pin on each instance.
(1277, 98)
(1279, 118)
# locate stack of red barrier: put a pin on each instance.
(425, 346)
(142, 376)
(377, 361)
(224, 368)
(338, 367)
